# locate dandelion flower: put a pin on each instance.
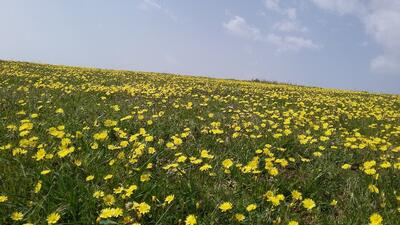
(169, 199)
(109, 200)
(308, 203)
(110, 212)
(53, 218)
(296, 195)
(227, 163)
(143, 208)
(3, 198)
(190, 220)
(225, 206)
(375, 219)
(17, 216)
(89, 178)
(240, 217)
(346, 166)
(251, 207)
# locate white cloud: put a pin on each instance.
(291, 13)
(147, 4)
(290, 22)
(239, 27)
(381, 19)
(272, 5)
(341, 6)
(289, 26)
(293, 43)
(152, 4)
(384, 26)
(386, 64)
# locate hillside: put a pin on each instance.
(87, 146)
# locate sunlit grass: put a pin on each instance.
(86, 146)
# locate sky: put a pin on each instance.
(345, 44)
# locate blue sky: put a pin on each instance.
(347, 44)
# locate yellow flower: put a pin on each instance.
(101, 136)
(38, 186)
(89, 178)
(64, 151)
(17, 216)
(346, 166)
(370, 171)
(145, 177)
(181, 159)
(109, 200)
(149, 138)
(273, 171)
(143, 208)
(40, 154)
(204, 154)
(333, 202)
(308, 203)
(292, 222)
(3, 198)
(26, 126)
(205, 167)
(110, 123)
(169, 199)
(94, 146)
(110, 212)
(240, 217)
(98, 194)
(53, 218)
(317, 154)
(296, 195)
(177, 141)
(60, 111)
(225, 206)
(374, 189)
(129, 190)
(44, 172)
(108, 176)
(251, 207)
(375, 219)
(274, 199)
(115, 108)
(190, 220)
(77, 162)
(227, 163)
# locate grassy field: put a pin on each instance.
(91, 146)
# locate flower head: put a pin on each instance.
(17, 216)
(308, 203)
(225, 206)
(53, 218)
(190, 220)
(375, 219)
(111, 212)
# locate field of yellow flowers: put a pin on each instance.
(91, 146)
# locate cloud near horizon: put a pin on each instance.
(285, 35)
(381, 20)
(238, 26)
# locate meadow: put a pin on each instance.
(93, 146)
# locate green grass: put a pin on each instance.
(357, 126)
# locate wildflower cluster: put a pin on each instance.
(87, 146)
